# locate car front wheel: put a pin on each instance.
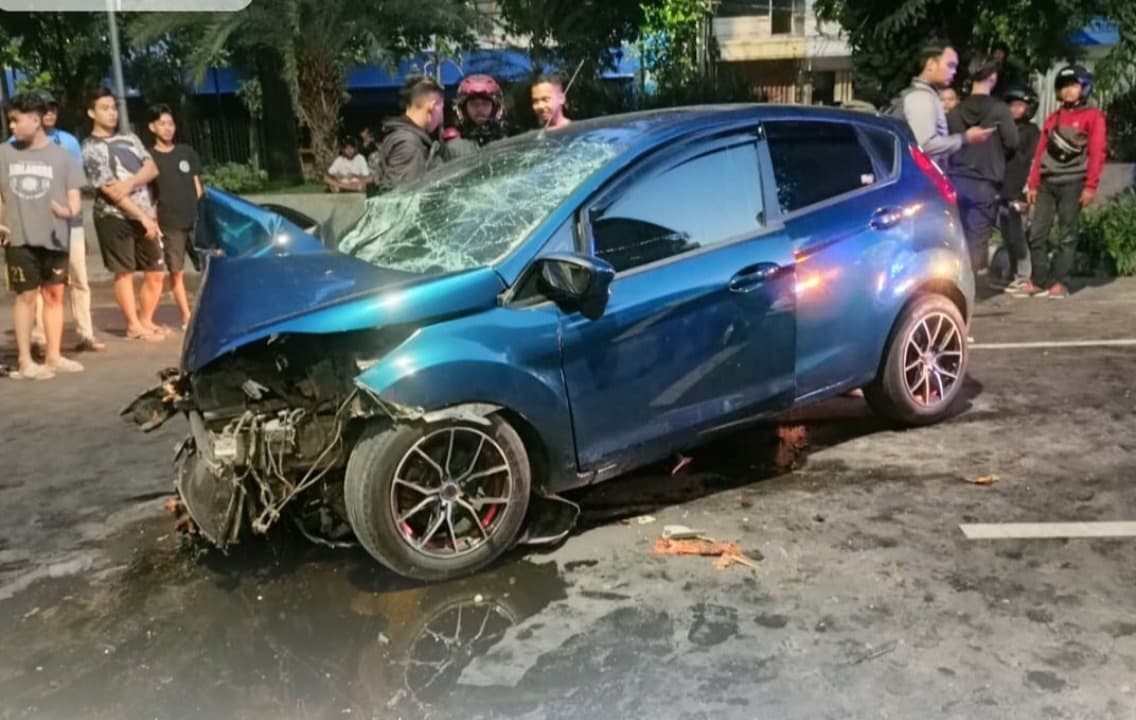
(924, 365)
(438, 501)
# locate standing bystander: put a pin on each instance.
(1063, 180)
(1023, 105)
(548, 102)
(178, 190)
(121, 170)
(39, 196)
(978, 171)
(78, 285)
(920, 107)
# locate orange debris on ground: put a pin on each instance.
(727, 553)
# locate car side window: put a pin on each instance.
(816, 161)
(692, 203)
(883, 144)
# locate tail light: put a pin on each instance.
(935, 175)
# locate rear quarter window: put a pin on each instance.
(884, 147)
(817, 160)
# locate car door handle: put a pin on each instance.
(885, 218)
(750, 277)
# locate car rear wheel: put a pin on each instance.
(438, 501)
(924, 366)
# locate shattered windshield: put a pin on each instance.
(473, 212)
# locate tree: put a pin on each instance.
(885, 36)
(66, 53)
(674, 42)
(573, 31)
(309, 45)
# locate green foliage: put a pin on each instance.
(67, 52)
(673, 35)
(572, 31)
(235, 178)
(885, 36)
(315, 40)
(1121, 112)
(1108, 234)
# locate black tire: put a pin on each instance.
(368, 487)
(889, 395)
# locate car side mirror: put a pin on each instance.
(577, 282)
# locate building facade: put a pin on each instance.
(783, 52)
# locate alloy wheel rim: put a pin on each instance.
(451, 491)
(932, 360)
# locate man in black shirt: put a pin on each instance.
(978, 171)
(178, 190)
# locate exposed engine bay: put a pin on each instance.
(271, 426)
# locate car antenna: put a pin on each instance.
(571, 82)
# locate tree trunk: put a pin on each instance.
(322, 87)
(281, 137)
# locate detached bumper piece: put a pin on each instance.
(150, 410)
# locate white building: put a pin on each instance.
(781, 49)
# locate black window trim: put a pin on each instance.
(824, 204)
(750, 134)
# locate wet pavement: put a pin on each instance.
(869, 602)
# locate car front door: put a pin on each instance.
(699, 331)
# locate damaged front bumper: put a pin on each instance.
(247, 470)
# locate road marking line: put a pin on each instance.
(1127, 342)
(1026, 531)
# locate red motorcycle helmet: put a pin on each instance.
(479, 86)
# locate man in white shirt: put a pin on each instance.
(349, 172)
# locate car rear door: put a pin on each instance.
(842, 206)
(699, 330)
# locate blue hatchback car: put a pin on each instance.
(558, 310)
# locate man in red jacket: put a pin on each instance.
(1063, 179)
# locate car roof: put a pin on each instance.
(651, 127)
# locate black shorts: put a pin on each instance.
(125, 248)
(177, 242)
(30, 268)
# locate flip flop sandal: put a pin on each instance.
(33, 372)
(90, 345)
(147, 337)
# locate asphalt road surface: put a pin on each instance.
(869, 601)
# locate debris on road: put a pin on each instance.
(878, 652)
(984, 480)
(640, 520)
(682, 532)
(728, 554)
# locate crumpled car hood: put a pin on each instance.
(246, 299)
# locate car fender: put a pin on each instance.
(434, 376)
(935, 269)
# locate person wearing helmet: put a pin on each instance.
(480, 111)
(1023, 106)
(1064, 178)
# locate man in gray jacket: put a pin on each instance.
(920, 107)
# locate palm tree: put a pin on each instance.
(315, 42)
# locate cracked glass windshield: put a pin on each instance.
(477, 210)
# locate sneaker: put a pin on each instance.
(1016, 286)
(65, 365)
(1027, 289)
(35, 371)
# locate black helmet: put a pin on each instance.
(1026, 95)
(48, 99)
(1071, 74)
